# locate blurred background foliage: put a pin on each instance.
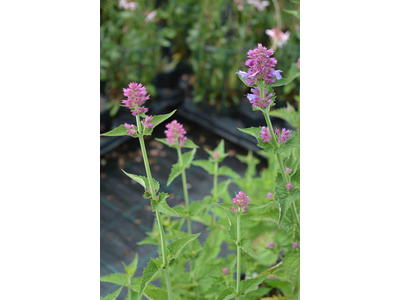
(202, 42)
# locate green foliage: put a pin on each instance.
(285, 198)
(188, 144)
(250, 284)
(116, 278)
(207, 165)
(227, 294)
(179, 167)
(155, 293)
(162, 206)
(177, 246)
(157, 120)
(119, 131)
(112, 296)
(291, 116)
(148, 274)
(226, 171)
(144, 182)
(291, 263)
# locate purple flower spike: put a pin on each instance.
(288, 171)
(130, 129)
(265, 134)
(295, 245)
(284, 136)
(289, 186)
(271, 245)
(175, 134)
(225, 271)
(262, 65)
(270, 196)
(146, 123)
(135, 97)
(241, 200)
(255, 98)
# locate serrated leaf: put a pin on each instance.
(114, 295)
(119, 131)
(154, 293)
(290, 144)
(248, 284)
(246, 246)
(157, 120)
(205, 164)
(176, 170)
(131, 268)
(285, 199)
(177, 246)
(187, 158)
(227, 294)
(116, 278)
(148, 274)
(197, 206)
(162, 206)
(139, 179)
(226, 171)
(253, 131)
(291, 116)
(291, 263)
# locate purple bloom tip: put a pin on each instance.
(225, 271)
(175, 133)
(270, 196)
(241, 201)
(295, 245)
(271, 245)
(288, 171)
(289, 186)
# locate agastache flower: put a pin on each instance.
(284, 136)
(265, 134)
(130, 129)
(175, 133)
(216, 154)
(271, 245)
(135, 97)
(146, 123)
(288, 171)
(241, 200)
(128, 5)
(255, 98)
(260, 5)
(289, 186)
(225, 271)
(295, 245)
(270, 196)
(277, 37)
(298, 63)
(151, 16)
(261, 66)
(239, 4)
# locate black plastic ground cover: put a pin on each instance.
(125, 216)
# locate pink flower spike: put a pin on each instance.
(278, 37)
(241, 200)
(136, 96)
(271, 245)
(289, 186)
(146, 123)
(151, 16)
(270, 196)
(255, 98)
(265, 134)
(130, 129)
(288, 171)
(225, 271)
(175, 134)
(288, 109)
(295, 245)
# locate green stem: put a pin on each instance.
(280, 161)
(278, 14)
(215, 189)
(129, 290)
(238, 255)
(158, 215)
(185, 191)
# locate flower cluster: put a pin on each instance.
(151, 16)
(260, 5)
(277, 37)
(175, 133)
(128, 5)
(256, 100)
(282, 137)
(289, 186)
(130, 129)
(261, 66)
(136, 97)
(146, 123)
(241, 200)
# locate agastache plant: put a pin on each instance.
(136, 96)
(262, 77)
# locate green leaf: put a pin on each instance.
(131, 269)
(175, 172)
(284, 81)
(157, 120)
(148, 274)
(113, 296)
(139, 179)
(177, 246)
(291, 263)
(244, 81)
(246, 246)
(226, 171)
(162, 206)
(253, 131)
(119, 131)
(206, 165)
(250, 284)
(177, 168)
(116, 278)
(187, 158)
(227, 294)
(290, 144)
(197, 206)
(291, 116)
(285, 199)
(155, 293)
(295, 13)
(222, 188)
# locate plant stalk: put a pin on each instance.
(215, 189)
(158, 215)
(185, 191)
(238, 255)
(280, 161)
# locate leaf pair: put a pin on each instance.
(179, 167)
